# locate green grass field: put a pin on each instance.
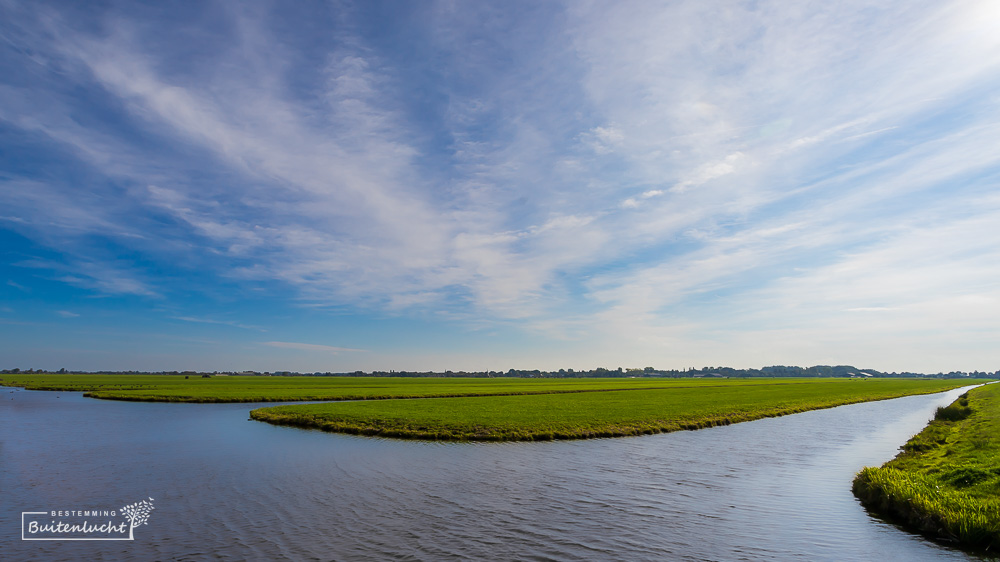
(171, 388)
(497, 409)
(674, 406)
(946, 481)
(168, 388)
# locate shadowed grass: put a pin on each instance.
(946, 481)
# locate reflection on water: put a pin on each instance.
(229, 488)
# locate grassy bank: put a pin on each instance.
(173, 388)
(495, 409)
(591, 414)
(169, 388)
(946, 481)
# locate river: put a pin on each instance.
(231, 489)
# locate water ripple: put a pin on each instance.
(228, 489)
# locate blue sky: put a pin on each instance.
(331, 186)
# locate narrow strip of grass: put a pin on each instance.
(587, 415)
(173, 388)
(946, 481)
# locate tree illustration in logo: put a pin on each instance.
(137, 514)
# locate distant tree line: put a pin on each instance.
(824, 371)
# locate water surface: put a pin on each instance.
(228, 488)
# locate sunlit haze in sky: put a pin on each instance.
(466, 185)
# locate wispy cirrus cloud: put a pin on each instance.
(218, 322)
(104, 277)
(594, 172)
(311, 347)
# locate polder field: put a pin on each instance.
(173, 388)
(668, 406)
(946, 481)
(496, 409)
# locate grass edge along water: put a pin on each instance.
(945, 483)
(179, 388)
(612, 413)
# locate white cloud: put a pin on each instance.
(219, 322)
(310, 347)
(105, 276)
(711, 170)
(603, 140)
(645, 174)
